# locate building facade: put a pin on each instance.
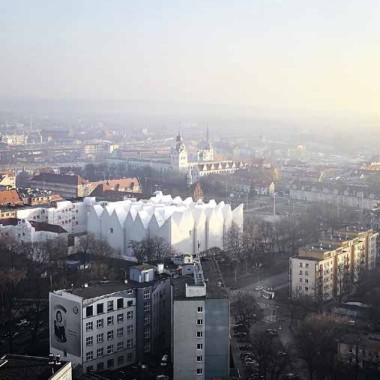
(200, 319)
(187, 225)
(331, 267)
(94, 326)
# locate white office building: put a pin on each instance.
(94, 326)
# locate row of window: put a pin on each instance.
(110, 306)
(110, 363)
(306, 273)
(110, 349)
(110, 335)
(110, 321)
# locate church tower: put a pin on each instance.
(178, 155)
(207, 153)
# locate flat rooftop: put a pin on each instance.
(14, 367)
(215, 288)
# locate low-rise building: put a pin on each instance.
(14, 367)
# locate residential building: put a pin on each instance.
(358, 197)
(31, 231)
(153, 310)
(361, 351)
(10, 198)
(187, 225)
(200, 320)
(94, 327)
(74, 186)
(8, 179)
(14, 367)
(331, 267)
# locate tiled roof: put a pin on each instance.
(10, 197)
(60, 178)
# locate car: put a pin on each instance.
(249, 362)
(258, 288)
(23, 322)
(245, 347)
(164, 360)
(271, 333)
(240, 335)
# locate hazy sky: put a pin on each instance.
(312, 56)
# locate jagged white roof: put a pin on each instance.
(163, 207)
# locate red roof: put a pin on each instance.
(10, 197)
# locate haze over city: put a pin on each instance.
(189, 190)
(289, 59)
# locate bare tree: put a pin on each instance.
(246, 310)
(151, 248)
(316, 340)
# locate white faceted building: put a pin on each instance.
(185, 224)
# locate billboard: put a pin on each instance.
(65, 325)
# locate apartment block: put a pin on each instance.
(331, 267)
(200, 319)
(94, 326)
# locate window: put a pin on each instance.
(146, 319)
(199, 321)
(120, 303)
(120, 360)
(109, 335)
(129, 356)
(300, 279)
(199, 358)
(200, 309)
(110, 363)
(109, 321)
(129, 314)
(307, 265)
(109, 305)
(100, 366)
(199, 334)
(300, 265)
(146, 305)
(129, 343)
(99, 323)
(100, 352)
(120, 331)
(146, 294)
(129, 329)
(199, 346)
(130, 291)
(89, 355)
(110, 349)
(306, 273)
(147, 332)
(199, 371)
(120, 346)
(130, 303)
(89, 326)
(120, 317)
(99, 308)
(147, 346)
(100, 338)
(111, 230)
(301, 272)
(89, 341)
(306, 280)
(90, 368)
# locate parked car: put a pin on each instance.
(272, 333)
(164, 360)
(258, 288)
(246, 346)
(240, 335)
